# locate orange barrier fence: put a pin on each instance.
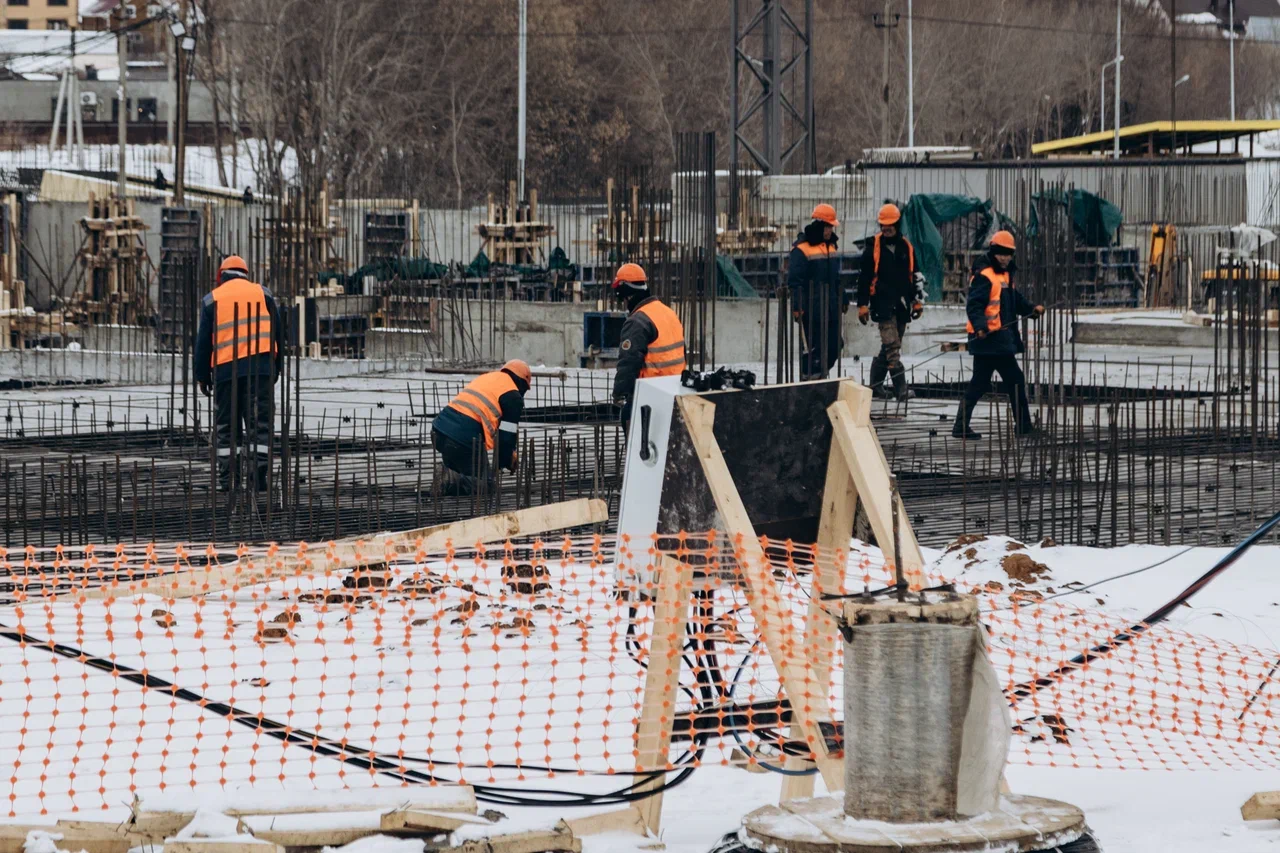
(523, 661)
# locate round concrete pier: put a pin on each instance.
(820, 825)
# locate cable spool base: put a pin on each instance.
(819, 825)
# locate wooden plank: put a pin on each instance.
(14, 836)
(627, 820)
(558, 840)
(349, 553)
(771, 616)
(334, 837)
(206, 845)
(662, 680)
(865, 457)
(835, 529)
(1264, 805)
(424, 821)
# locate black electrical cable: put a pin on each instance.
(1158, 615)
(492, 794)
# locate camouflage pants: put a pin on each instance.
(891, 332)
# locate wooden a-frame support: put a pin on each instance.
(856, 468)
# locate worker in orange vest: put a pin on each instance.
(238, 346)
(818, 300)
(482, 418)
(890, 293)
(994, 308)
(652, 339)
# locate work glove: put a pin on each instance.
(864, 314)
(206, 389)
(917, 310)
(1038, 311)
(515, 461)
(920, 283)
(980, 334)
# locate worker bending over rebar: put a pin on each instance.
(890, 292)
(651, 341)
(237, 362)
(818, 300)
(994, 308)
(483, 416)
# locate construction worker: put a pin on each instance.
(890, 292)
(994, 308)
(652, 339)
(817, 298)
(484, 415)
(237, 362)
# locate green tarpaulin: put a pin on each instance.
(386, 269)
(729, 282)
(922, 215)
(1096, 220)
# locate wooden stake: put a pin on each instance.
(662, 679)
(835, 529)
(771, 616)
(866, 460)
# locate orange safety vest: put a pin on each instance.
(999, 281)
(480, 402)
(875, 259)
(822, 250)
(243, 322)
(666, 354)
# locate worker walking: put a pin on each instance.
(652, 338)
(484, 415)
(890, 293)
(237, 362)
(994, 308)
(818, 299)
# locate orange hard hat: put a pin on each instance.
(232, 262)
(520, 369)
(826, 213)
(632, 274)
(1003, 239)
(889, 215)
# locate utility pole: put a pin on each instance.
(911, 83)
(122, 101)
(1119, 60)
(1231, 26)
(1173, 77)
(884, 113)
(182, 38)
(522, 112)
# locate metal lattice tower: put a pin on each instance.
(772, 62)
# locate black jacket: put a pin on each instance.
(258, 365)
(814, 279)
(1013, 305)
(895, 286)
(466, 430)
(638, 332)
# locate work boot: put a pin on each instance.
(961, 428)
(879, 370)
(900, 389)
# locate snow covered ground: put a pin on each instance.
(1153, 749)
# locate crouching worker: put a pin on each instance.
(484, 416)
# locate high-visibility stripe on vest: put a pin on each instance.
(666, 354)
(811, 251)
(875, 259)
(243, 322)
(999, 281)
(480, 401)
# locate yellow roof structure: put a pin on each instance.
(1154, 137)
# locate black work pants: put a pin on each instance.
(1012, 382)
(820, 347)
(466, 464)
(244, 413)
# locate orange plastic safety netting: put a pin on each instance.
(140, 669)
